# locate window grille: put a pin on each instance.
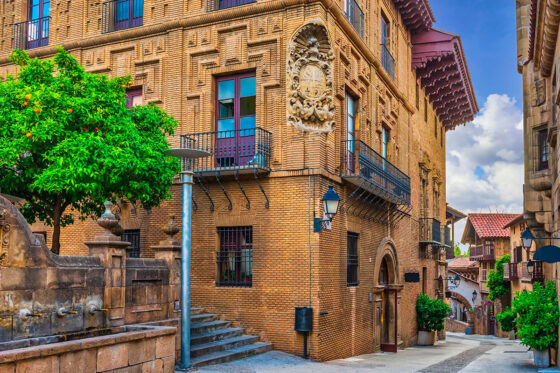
(352, 260)
(235, 256)
(132, 236)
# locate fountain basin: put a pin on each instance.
(142, 347)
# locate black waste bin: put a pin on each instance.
(304, 319)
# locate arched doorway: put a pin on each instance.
(389, 305)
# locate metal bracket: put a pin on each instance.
(230, 206)
(194, 205)
(351, 195)
(205, 191)
(242, 190)
(267, 203)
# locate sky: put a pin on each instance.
(485, 157)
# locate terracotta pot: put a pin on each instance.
(541, 358)
(426, 338)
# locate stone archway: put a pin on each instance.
(387, 286)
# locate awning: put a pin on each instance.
(416, 14)
(441, 67)
(548, 254)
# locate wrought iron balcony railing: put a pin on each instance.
(430, 230)
(537, 275)
(355, 15)
(121, 14)
(359, 160)
(212, 5)
(475, 252)
(388, 61)
(247, 149)
(32, 34)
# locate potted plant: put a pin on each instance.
(537, 320)
(430, 316)
(507, 321)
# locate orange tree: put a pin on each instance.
(69, 142)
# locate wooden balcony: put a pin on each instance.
(483, 252)
(511, 271)
(537, 275)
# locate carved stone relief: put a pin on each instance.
(310, 79)
(4, 229)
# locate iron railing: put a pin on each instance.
(475, 252)
(536, 276)
(358, 159)
(230, 150)
(212, 5)
(430, 229)
(235, 257)
(355, 15)
(121, 14)
(132, 236)
(388, 61)
(32, 34)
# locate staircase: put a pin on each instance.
(214, 341)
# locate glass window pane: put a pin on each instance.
(137, 100)
(226, 128)
(34, 2)
(226, 89)
(122, 10)
(248, 87)
(247, 123)
(137, 8)
(350, 124)
(226, 109)
(35, 12)
(248, 105)
(46, 9)
(350, 105)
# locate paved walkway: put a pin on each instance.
(458, 353)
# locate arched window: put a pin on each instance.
(383, 273)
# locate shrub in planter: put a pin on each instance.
(537, 319)
(506, 320)
(430, 316)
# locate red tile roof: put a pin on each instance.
(461, 262)
(491, 225)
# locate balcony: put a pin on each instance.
(121, 14)
(230, 151)
(355, 15)
(212, 5)
(510, 272)
(430, 230)
(537, 275)
(362, 163)
(32, 34)
(388, 61)
(482, 252)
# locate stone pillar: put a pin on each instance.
(112, 252)
(169, 250)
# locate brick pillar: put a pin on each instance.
(170, 251)
(112, 252)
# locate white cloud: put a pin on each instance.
(493, 142)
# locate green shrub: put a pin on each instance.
(506, 320)
(497, 286)
(430, 313)
(537, 316)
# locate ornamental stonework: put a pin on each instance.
(310, 79)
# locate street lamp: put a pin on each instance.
(530, 267)
(187, 181)
(457, 280)
(330, 200)
(527, 238)
(474, 295)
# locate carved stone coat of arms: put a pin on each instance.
(310, 79)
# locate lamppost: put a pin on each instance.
(186, 181)
(474, 295)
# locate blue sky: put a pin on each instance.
(485, 158)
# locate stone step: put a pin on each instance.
(196, 310)
(205, 327)
(221, 345)
(236, 353)
(202, 317)
(215, 335)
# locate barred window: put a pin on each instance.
(543, 150)
(352, 260)
(132, 236)
(235, 257)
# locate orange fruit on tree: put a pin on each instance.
(28, 96)
(69, 111)
(29, 135)
(129, 83)
(26, 103)
(124, 86)
(37, 111)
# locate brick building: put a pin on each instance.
(289, 96)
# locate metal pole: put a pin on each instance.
(187, 180)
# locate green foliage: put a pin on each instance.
(506, 319)
(69, 142)
(537, 316)
(458, 253)
(497, 286)
(431, 313)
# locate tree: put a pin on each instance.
(457, 251)
(69, 142)
(431, 313)
(537, 316)
(497, 286)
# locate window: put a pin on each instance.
(543, 150)
(518, 254)
(235, 257)
(383, 278)
(122, 14)
(352, 260)
(351, 127)
(385, 142)
(384, 30)
(35, 32)
(424, 279)
(132, 236)
(236, 99)
(134, 97)
(425, 109)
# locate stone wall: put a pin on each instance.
(456, 326)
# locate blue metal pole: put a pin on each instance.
(187, 179)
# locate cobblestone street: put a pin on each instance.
(459, 353)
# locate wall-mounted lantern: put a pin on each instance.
(474, 295)
(330, 207)
(530, 267)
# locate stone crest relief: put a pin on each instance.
(4, 229)
(310, 79)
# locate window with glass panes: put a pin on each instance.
(235, 256)
(352, 259)
(134, 97)
(351, 124)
